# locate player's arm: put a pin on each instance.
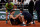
(13, 5)
(6, 5)
(14, 17)
(6, 9)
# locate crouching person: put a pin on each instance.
(26, 16)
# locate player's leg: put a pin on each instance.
(18, 21)
(6, 16)
(12, 21)
(23, 20)
(29, 20)
(20, 18)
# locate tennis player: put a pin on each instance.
(9, 6)
(14, 20)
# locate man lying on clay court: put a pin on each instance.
(25, 16)
(14, 20)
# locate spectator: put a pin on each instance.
(0, 5)
(22, 1)
(37, 7)
(30, 7)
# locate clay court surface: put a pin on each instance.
(3, 24)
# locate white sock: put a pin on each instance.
(23, 22)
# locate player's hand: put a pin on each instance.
(19, 14)
(22, 16)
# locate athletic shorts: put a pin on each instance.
(8, 10)
(15, 22)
